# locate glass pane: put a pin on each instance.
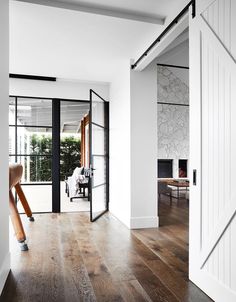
(98, 112)
(12, 111)
(12, 131)
(99, 200)
(36, 168)
(71, 115)
(34, 140)
(98, 140)
(35, 112)
(99, 174)
(38, 197)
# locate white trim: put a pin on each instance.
(102, 10)
(144, 222)
(216, 290)
(4, 271)
(125, 221)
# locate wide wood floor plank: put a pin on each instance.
(100, 277)
(71, 259)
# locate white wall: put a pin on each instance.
(4, 212)
(133, 147)
(120, 191)
(144, 148)
(59, 89)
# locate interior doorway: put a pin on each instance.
(173, 141)
(74, 151)
(173, 144)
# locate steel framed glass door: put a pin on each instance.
(99, 156)
(30, 144)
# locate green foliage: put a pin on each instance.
(70, 156)
(41, 167)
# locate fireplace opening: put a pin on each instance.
(165, 168)
(183, 168)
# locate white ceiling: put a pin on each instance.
(73, 44)
(158, 9)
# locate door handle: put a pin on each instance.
(91, 169)
(194, 177)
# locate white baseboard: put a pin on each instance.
(4, 271)
(144, 222)
(124, 220)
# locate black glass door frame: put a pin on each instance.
(55, 155)
(105, 128)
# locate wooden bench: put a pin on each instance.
(15, 174)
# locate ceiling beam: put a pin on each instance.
(102, 10)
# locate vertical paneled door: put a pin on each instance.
(213, 148)
(99, 155)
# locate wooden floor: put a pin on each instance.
(71, 259)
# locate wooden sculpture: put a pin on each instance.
(15, 174)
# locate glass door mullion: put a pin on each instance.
(99, 156)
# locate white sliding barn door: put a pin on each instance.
(213, 148)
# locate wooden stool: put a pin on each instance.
(15, 174)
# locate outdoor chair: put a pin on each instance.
(78, 184)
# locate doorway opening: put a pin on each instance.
(173, 148)
(74, 155)
(173, 139)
